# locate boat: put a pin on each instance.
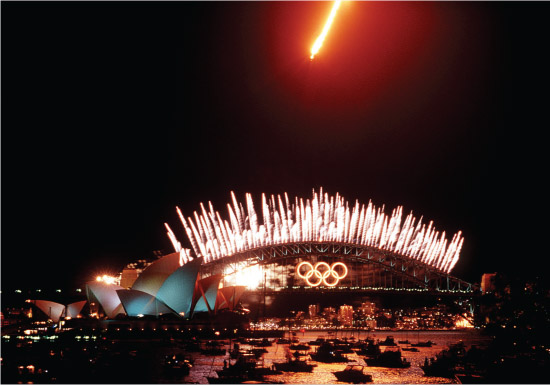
(368, 349)
(243, 370)
(354, 374)
(413, 349)
(389, 341)
(317, 342)
(360, 344)
(294, 365)
(299, 346)
(441, 367)
(281, 341)
(328, 353)
(445, 363)
(245, 363)
(423, 344)
(264, 342)
(236, 352)
(404, 342)
(389, 358)
(343, 345)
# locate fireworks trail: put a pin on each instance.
(323, 218)
(319, 42)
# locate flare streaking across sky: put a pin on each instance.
(319, 42)
(323, 218)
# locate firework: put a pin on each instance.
(323, 218)
(319, 42)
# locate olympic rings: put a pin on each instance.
(321, 275)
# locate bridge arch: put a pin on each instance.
(370, 269)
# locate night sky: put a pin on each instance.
(114, 113)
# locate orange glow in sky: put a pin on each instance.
(319, 42)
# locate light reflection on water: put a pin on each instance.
(205, 366)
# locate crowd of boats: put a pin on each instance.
(243, 359)
(248, 365)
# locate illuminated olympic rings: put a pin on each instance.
(321, 276)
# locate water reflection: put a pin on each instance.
(205, 366)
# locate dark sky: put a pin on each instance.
(114, 113)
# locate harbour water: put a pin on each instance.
(205, 366)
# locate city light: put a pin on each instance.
(107, 279)
(242, 275)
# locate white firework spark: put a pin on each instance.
(323, 218)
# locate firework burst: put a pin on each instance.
(323, 218)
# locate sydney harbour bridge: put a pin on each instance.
(368, 270)
(322, 244)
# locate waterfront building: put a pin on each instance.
(368, 308)
(345, 315)
(313, 310)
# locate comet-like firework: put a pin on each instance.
(324, 218)
(319, 42)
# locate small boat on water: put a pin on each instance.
(300, 346)
(317, 342)
(245, 369)
(389, 341)
(342, 345)
(413, 349)
(389, 358)
(329, 353)
(294, 365)
(404, 342)
(264, 342)
(369, 349)
(444, 364)
(354, 374)
(281, 341)
(423, 344)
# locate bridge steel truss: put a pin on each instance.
(370, 269)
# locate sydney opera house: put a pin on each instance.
(166, 286)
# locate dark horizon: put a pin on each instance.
(116, 113)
